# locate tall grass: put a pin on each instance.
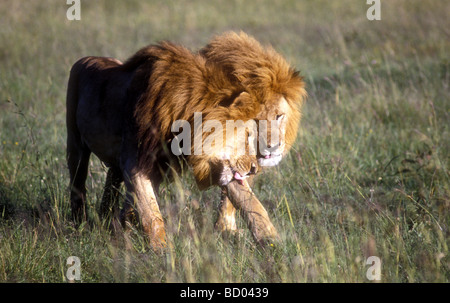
(368, 175)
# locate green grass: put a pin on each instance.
(368, 175)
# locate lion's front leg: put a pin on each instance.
(140, 194)
(111, 193)
(254, 212)
(226, 220)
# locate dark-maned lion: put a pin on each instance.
(124, 114)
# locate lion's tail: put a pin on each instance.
(72, 96)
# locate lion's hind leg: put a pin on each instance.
(78, 162)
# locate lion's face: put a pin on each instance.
(272, 132)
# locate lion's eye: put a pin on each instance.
(280, 117)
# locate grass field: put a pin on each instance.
(368, 176)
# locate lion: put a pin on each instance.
(124, 114)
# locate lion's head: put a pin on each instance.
(267, 80)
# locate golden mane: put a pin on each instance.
(261, 71)
(179, 83)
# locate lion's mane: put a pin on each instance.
(262, 72)
(232, 78)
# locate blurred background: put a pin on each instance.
(368, 175)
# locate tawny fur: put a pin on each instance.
(123, 113)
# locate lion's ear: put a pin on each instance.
(230, 100)
(243, 100)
